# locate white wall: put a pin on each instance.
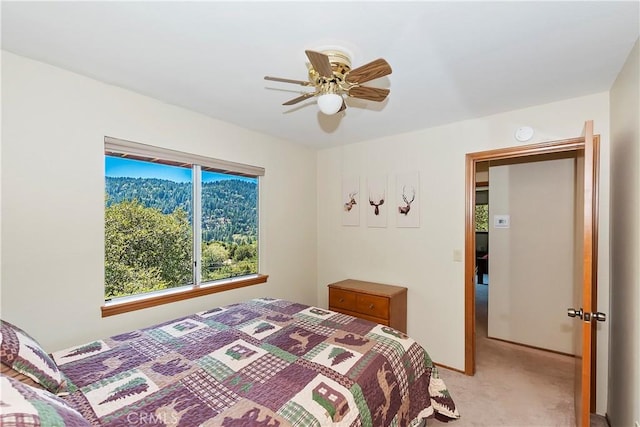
(422, 258)
(531, 262)
(624, 317)
(53, 127)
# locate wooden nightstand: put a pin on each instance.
(385, 304)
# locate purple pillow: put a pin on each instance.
(26, 406)
(20, 351)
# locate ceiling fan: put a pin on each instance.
(331, 75)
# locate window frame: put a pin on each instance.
(138, 151)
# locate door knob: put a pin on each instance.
(600, 317)
(572, 312)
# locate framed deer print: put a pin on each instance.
(351, 201)
(407, 200)
(377, 203)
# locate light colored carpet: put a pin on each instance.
(513, 386)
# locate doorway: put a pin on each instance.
(515, 154)
(473, 160)
(532, 255)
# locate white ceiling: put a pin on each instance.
(451, 60)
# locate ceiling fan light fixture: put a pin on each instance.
(329, 103)
(331, 75)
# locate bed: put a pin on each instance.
(264, 362)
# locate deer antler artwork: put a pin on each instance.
(404, 210)
(352, 201)
(376, 205)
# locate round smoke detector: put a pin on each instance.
(524, 133)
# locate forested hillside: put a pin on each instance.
(228, 206)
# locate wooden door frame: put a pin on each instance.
(566, 145)
(594, 264)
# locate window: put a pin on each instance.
(175, 223)
(482, 218)
(482, 209)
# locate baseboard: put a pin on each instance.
(531, 346)
(440, 365)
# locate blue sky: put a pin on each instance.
(119, 167)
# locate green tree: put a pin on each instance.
(243, 252)
(246, 266)
(214, 257)
(214, 254)
(145, 249)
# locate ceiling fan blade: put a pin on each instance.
(300, 98)
(372, 70)
(320, 63)
(370, 93)
(279, 79)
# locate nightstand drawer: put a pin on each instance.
(372, 305)
(342, 299)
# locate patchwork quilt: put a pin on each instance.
(264, 362)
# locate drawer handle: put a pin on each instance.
(370, 306)
(341, 300)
